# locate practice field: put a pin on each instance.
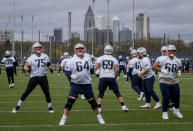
(34, 116)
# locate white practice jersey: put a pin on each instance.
(134, 63)
(80, 68)
(146, 64)
(171, 65)
(107, 64)
(38, 64)
(64, 61)
(8, 61)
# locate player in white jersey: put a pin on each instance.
(9, 61)
(36, 64)
(148, 79)
(63, 64)
(108, 71)
(134, 68)
(79, 66)
(169, 68)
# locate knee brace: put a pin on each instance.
(93, 104)
(101, 94)
(117, 93)
(69, 104)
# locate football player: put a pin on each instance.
(79, 67)
(122, 66)
(9, 62)
(36, 64)
(169, 68)
(148, 79)
(108, 71)
(134, 68)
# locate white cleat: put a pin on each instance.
(158, 105)
(147, 105)
(62, 122)
(125, 76)
(82, 97)
(51, 110)
(141, 96)
(10, 85)
(178, 114)
(124, 108)
(117, 78)
(100, 119)
(15, 109)
(165, 116)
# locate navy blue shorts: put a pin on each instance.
(104, 82)
(85, 89)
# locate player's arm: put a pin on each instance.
(116, 69)
(49, 65)
(27, 68)
(156, 67)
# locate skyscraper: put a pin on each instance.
(88, 21)
(116, 28)
(102, 22)
(58, 33)
(142, 26)
(125, 35)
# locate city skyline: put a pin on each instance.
(170, 17)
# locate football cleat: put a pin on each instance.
(15, 109)
(165, 116)
(62, 122)
(10, 85)
(100, 120)
(158, 105)
(147, 105)
(178, 114)
(82, 97)
(51, 110)
(124, 108)
(141, 96)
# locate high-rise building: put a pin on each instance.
(58, 33)
(6, 35)
(142, 26)
(88, 21)
(125, 35)
(116, 28)
(102, 22)
(75, 35)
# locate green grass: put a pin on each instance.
(33, 114)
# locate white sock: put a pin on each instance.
(64, 117)
(19, 102)
(99, 115)
(49, 105)
(176, 110)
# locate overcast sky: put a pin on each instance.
(166, 16)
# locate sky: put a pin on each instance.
(171, 17)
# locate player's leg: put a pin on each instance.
(8, 76)
(31, 85)
(74, 91)
(165, 91)
(45, 88)
(176, 96)
(114, 87)
(102, 88)
(12, 77)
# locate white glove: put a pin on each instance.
(97, 72)
(164, 71)
(179, 73)
(73, 76)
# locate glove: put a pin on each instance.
(164, 71)
(29, 69)
(179, 73)
(97, 73)
(51, 70)
(73, 76)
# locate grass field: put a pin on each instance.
(34, 115)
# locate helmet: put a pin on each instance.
(36, 45)
(7, 53)
(164, 48)
(79, 45)
(108, 49)
(66, 55)
(133, 53)
(142, 51)
(171, 47)
(92, 56)
(171, 50)
(120, 57)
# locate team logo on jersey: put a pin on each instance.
(177, 62)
